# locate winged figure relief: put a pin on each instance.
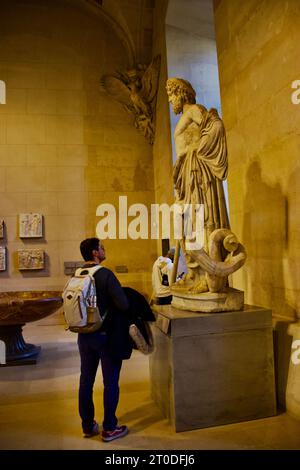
(136, 90)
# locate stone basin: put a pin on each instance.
(16, 309)
(23, 307)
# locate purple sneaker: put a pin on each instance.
(92, 432)
(120, 431)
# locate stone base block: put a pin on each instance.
(230, 300)
(209, 370)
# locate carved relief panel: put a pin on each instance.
(31, 259)
(31, 225)
(2, 258)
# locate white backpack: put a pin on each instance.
(80, 302)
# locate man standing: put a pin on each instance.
(110, 345)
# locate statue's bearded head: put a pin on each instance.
(180, 92)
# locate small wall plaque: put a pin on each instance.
(71, 266)
(2, 258)
(121, 269)
(31, 225)
(31, 259)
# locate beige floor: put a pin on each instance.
(38, 407)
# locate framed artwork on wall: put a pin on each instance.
(31, 225)
(2, 258)
(1, 228)
(31, 259)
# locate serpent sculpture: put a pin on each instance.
(225, 256)
(205, 287)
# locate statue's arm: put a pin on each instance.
(193, 114)
(196, 114)
(182, 124)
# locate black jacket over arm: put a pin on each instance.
(124, 306)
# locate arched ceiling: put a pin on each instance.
(132, 21)
(111, 12)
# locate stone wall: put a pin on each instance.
(65, 146)
(258, 54)
(162, 149)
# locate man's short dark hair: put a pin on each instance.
(87, 246)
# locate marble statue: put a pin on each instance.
(136, 90)
(200, 168)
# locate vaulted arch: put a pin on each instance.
(111, 13)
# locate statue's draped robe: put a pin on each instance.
(202, 169)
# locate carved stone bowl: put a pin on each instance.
(16, 309)
(22, 307)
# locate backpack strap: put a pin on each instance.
(91, 271)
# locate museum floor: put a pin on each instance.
(38, 407)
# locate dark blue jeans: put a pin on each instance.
(93, 348)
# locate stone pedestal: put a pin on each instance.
(213, 369)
